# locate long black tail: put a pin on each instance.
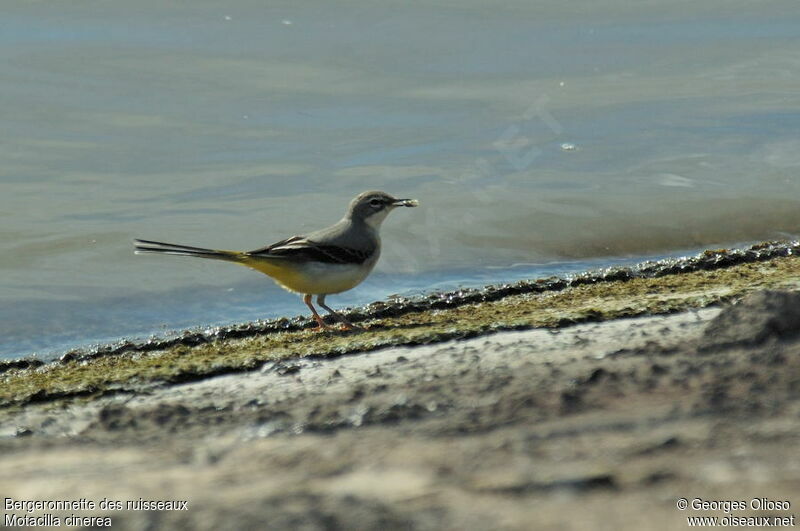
(151, 247)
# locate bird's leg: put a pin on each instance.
(320, 323)
(347, 324)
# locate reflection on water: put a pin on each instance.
(234, 126)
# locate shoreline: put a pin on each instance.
(706, 260)
(649, 288)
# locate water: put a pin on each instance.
(564, 134)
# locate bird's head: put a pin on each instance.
(373, 207)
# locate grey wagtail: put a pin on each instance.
(321, 263)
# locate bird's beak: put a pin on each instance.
(405, 202)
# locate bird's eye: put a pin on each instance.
(375, 203)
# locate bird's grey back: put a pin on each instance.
(349, 233)
(346, 242)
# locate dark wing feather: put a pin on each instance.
(343, 255)
(268, 248)
(300, 249)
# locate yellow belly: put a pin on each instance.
(313, 278)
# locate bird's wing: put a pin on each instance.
(277, 245)
(300, 248)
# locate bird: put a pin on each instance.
(320, 263)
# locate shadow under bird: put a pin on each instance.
(321, 263)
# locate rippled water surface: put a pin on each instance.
(540, 138)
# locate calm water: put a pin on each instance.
(540, 138)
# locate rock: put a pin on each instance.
(756, 318)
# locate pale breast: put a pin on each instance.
(324, 279)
